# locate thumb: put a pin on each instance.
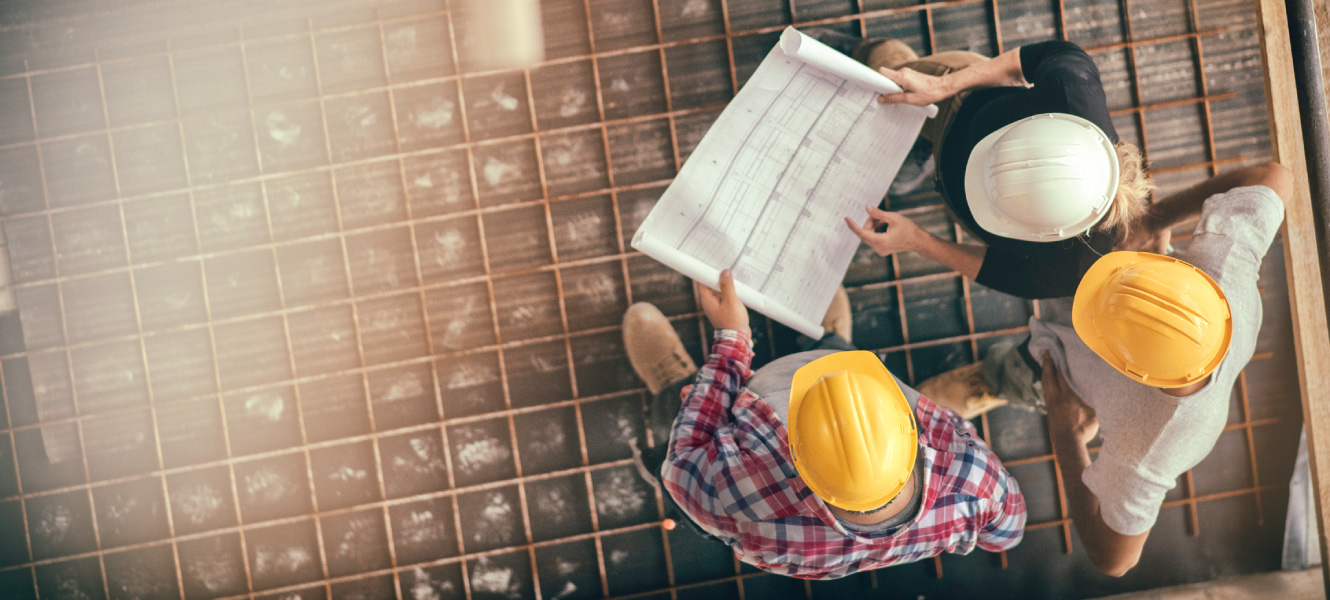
(727, 284)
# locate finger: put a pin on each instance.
(1049, 378)
(891, 74)
(857, 230)
(727, 285)
(881, 215)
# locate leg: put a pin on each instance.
(1012, 373)
(1007, 374)
(660, 360)
(663, 407)
(838, 326)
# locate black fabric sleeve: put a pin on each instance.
(1054, 273)
(1065, 79)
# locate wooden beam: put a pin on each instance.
(1307, 303)
(1322, 10)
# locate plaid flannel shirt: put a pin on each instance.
(729, 468)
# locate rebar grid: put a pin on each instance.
(482, 214)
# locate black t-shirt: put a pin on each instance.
(1065, 80)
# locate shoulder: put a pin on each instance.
(1238, 224)
(1054, 56)
(962, 463)
(1254, 205)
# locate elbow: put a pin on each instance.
(1115, 566)
(1275, 176)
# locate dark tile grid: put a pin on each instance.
(618, 60)
(259, 397)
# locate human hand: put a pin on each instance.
(920, 89)
(723, 308)
(901, 233)
(1070, 419)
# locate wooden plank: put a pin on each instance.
(1306, 300)
(1321, 8)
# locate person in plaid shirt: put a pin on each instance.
(732, 469)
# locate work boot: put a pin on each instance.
(962, 390)
(838, 319)
(841, 42)
(654, 349)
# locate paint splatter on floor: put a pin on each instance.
(497, 526)
(478, 451)
(54, 523)
(198, 503)
(491, 579)
(282, 128)
(265, 406)
(620, 496)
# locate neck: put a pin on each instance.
(894, 506)
(1183, 392)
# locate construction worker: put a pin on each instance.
(1154, 347)
(1026, 158)
(820, 464)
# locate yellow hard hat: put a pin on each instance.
(1156, 319)
(852, 433)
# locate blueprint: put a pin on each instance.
(802, 145)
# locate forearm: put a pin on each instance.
(1186, 205)
(1112, 552)
(965, 259)
(1003, 71)
(706, 404)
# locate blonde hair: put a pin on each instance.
(1134, 188)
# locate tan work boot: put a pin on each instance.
(657, 353)
(838, 319)
(887, 53)
(962, 390)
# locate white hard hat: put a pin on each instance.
(1042, 179)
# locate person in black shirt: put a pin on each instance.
(977, 96)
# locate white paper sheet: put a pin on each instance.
(802, 145)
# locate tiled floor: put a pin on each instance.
(304, 312)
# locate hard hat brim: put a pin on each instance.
(1092, 286)
(861, 361)
(979, 200)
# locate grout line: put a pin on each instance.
(350, 288)
(138, 324)
(389, 530)
(489, 285)
(212, 332)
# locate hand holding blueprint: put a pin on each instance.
(803, 145)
